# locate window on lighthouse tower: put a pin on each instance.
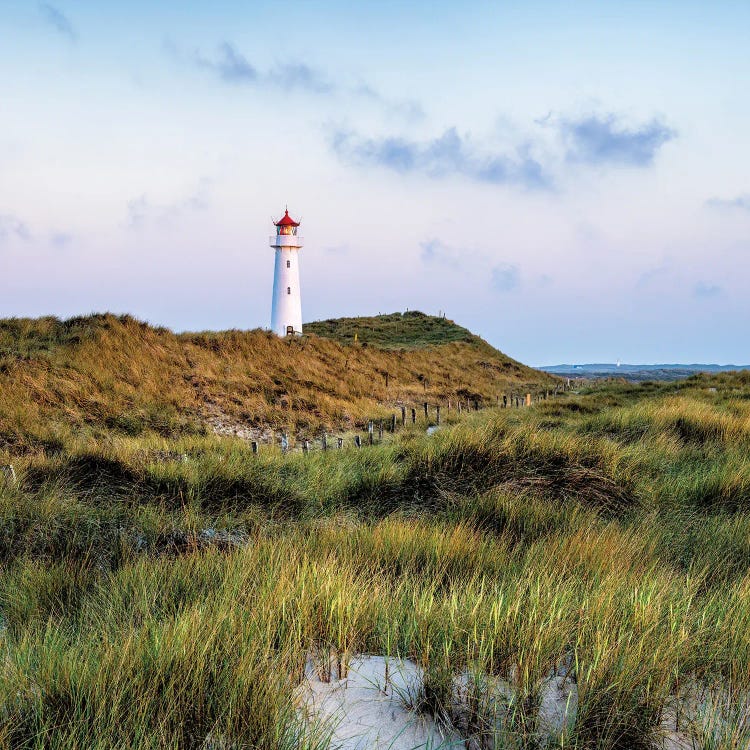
(289, 264)
(289, 290)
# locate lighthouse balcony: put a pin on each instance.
(285, 240)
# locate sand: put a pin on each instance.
(364, 711)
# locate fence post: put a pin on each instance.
(403, 415)
(425, 410)
(459, 406)
(340, 443)
(528, 399)
(437, 413)
(254, 446)
(413, 415)
(9, 473)
(306, 446)
(370, 431)
(324, 442)
(358, 441)
(505, 401)
(284, 443)
(380, 429)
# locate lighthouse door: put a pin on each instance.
(290, 330)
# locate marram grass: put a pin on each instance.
(607, 532)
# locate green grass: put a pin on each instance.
(607, 529)
(408, 330)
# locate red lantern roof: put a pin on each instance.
(287, 221)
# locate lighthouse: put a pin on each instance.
(286, 308)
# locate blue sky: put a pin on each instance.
(570, 180)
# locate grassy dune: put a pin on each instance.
(114, 375)
(398, 331)
(150, 601)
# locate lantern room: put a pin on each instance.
(286, 225)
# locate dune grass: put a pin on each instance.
(113, 375)
(408, 330)
(605, 534)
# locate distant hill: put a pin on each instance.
(107, 374)
(638, 372)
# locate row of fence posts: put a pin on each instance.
(8, 474)
(508, 401)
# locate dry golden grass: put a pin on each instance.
(118, 373)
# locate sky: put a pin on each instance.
(568, 180)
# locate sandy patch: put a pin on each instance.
(374, 707)
(366, 711)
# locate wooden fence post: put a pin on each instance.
(425, 410)
(9, 474)
(324, 442)
(459, 406)
(393, 423)
(254, 446)
(370, 432)
(403, 415)
(306, 446)
(437, 414)
(413, 415)
(528, 399)
(284, 443)
(380, 429)
(340, 443)
(358, 441)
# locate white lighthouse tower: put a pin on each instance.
(286, 308)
